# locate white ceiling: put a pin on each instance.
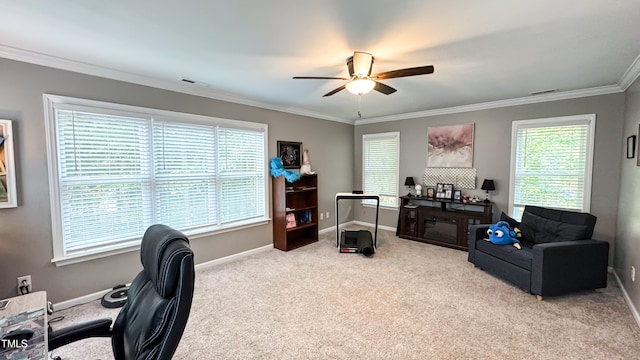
(485, 53)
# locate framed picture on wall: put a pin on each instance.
(638, 157)
(291, 154)
(631, 147)
(7, 167)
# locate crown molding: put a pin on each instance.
(88, 69)
(630, 75)
(533, 99)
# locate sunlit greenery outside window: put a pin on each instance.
(551, 163)
(380, 161)
(115, 170)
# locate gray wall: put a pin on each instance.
(25, 231)
(628, 230)
(492, 147)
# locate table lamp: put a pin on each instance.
(409, 183)
(488, 185)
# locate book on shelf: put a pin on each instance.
(305, 216)
(291, 220)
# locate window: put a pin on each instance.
(380, 159)
(551, 163)
(115, 170)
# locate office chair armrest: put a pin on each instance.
(67, 335)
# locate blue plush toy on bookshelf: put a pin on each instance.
(277, 169)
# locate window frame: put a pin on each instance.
(387, 135)
(133, 244)
(587, 119)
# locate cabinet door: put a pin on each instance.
(409, 221)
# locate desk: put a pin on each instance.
(26, 311)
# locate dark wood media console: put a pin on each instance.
(441, 222)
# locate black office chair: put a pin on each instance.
(152, 321)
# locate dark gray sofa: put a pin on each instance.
(558, 255)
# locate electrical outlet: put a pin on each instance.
(321, 216)
(633, 273)
(24, 285)
(327, 216)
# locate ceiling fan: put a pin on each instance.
(361, 81)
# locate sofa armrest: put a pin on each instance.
(476, 232)
(562, 267)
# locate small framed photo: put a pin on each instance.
(431, 192)
(448, 191)
(457, 195)
(631, 147)
(291, 154)
(444, 191)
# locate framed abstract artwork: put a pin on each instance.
(450, 146)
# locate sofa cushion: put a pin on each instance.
(541, 230)
(511, 221)
(563, 216)
(509, 253)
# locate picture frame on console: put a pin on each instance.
(431, 192)
(457, 195)
(444, 191)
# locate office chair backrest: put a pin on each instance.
(152, 321)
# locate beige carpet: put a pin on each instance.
(409, 301)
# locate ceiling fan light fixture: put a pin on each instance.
(360, 86)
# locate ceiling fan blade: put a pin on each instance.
(420, 70)
(320, 78)
(385, 89)
(334, 91)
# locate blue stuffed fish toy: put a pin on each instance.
(501, 233)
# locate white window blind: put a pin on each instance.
(380, 161)
(115, 173)
(551, 163)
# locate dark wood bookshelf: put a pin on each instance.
(295, 198)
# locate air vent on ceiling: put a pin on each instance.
(543, 92)
(189, 81)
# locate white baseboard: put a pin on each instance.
(79, 300)
(97, 295)
(233, 257)
(380, 227)
(360, 223)
(627, 299)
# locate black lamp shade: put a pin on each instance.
(409, 181)
(488, 185)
